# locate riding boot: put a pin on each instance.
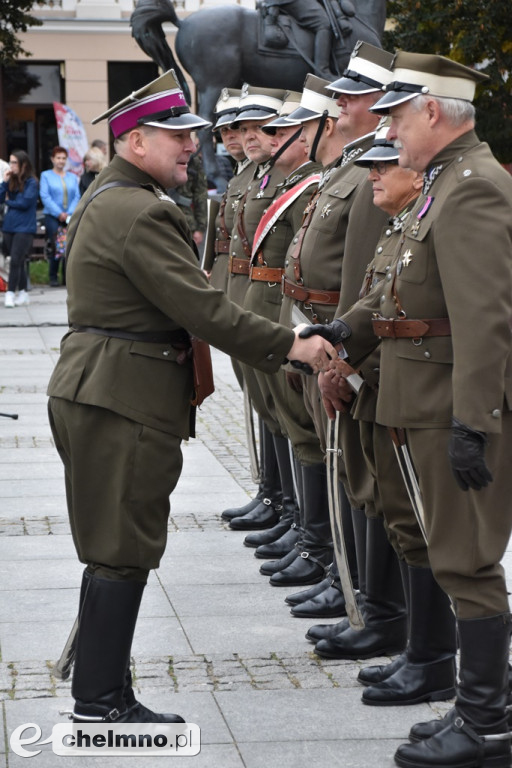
(329, 603)
(359, 528)
(105, 632)
(322, 54)
(297, 598)
(289, 502)
(315, 544)
(280, 547)
(428, 672)
(477, 735)
(384, 610)
(267, 512)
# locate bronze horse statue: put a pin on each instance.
(223, 47)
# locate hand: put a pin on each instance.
(310, 355)
(467, 457)
(63, 216)
(197, 237)
(7, 174)
(335, 332)
(294, 381)
(336, 392)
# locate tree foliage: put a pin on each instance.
(15, 17)
(473, 32)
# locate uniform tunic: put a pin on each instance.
(455, 262)
(132, 267)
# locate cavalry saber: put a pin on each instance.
(333, 493)
(409, 475)
(62, 668)
(9, 415)
(251, 436)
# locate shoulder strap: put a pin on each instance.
(97, 192)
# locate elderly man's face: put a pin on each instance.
(393, 187)
(411, 130)
(256, 143)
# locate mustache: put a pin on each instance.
(398, 144)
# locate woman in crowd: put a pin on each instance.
(94, 162)
(60, 195)
(19, 192)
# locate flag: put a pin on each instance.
(72, 136)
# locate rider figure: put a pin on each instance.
(309, 14)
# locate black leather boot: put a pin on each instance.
(101, 686)
(428, 672)
(327, 604)
(268, 510)
(476, 735)
(273, 566)
(296, 598)
(289, 502)
(384, 610)
(315, 544)
(359, 529)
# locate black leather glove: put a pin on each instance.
(334, 332)
(467, 457)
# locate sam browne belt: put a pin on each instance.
(403, 328)
(300, 293)
(177, 337)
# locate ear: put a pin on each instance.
(417, 181)
(137, 142)
(330, 126)
(433, 111)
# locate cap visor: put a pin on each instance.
(347, 85)
(226, 119)
(302, 115)
(383, 154)
(187, 120)
(253, 114)
(391, 99)
(280, 122)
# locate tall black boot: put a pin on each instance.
(281, 547)
(289, 502)
(359, 527)
(476, 735)
(384, 610)
(106, 625)
(428, 671)
(268, 510)
(315, 544)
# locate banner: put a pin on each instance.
(72, 136)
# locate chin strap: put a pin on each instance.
(319, 131)
(285, 146)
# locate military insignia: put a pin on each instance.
(407, 258)
(224, 94)
(348, 157)
(324, 177)
(264, 183)
(161, 196)
(326, 210)
(467, 172)
(245, 90)
(235, 204)
(430, 176)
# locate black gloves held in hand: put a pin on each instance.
(467, 457)
(334, 332)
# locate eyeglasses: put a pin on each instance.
(382, 167)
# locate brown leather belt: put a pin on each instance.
(410, 329)
(266, 274)
(300, 293)
(221, 246)
(239, 266)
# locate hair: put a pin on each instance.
(97, 157)
(26, 170)
(59, 151)
(99, 144)
(455, 111)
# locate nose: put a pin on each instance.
(391, 134)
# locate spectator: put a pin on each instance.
(100, 144)
(94, 162)
(59, 194)
(19, 192)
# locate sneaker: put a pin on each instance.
(22, 299)
(9, 299)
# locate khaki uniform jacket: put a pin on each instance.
(132, 267)
(217, 262)
(455, 262)
(250, 207)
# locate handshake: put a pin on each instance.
(322, 339)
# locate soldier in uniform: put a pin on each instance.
(445, 378)
(315, 271)
(426, 671)
(216, 261)
(256, 108)
(121, 392)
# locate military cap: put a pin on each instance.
(428, 73)
(259, 103)
(290, 103)
(382, 151)
(369, 68)
(160, 103)
(315, 100)
(226, 107)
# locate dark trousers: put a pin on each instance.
(17, 245)
(51, 225)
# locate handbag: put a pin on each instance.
(60, 241)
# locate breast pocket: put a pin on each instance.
(412, 266)
(331, 205)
